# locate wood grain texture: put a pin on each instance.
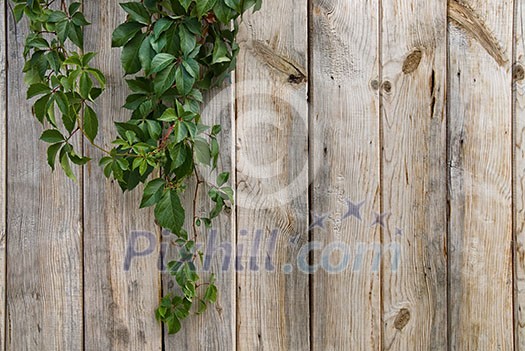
(480, 153)
(3, 169)
(272, 178)
(519, 176)
(214, 329)
(44, 274)
(414, 177)
(345, 167)
(119, 304)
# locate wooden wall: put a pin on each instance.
(377, 149)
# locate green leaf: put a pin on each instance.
(202, 151)
(40, 107)
(160, 62)
(184, 81)
(187, 40)
(52, 152)
(186, 4)
(18, 11)
(168, 116)
(173, 324)
(62, 30)
(211, 293)
(154, 129)
(52, 136)
(169, 212)
(146, 54)
(124, 33)
(74, 7)
(164, 80)
(192, 67)
(99, 76)
(79, 19)
(161, 26)
(75, 34)
(37, 89)
(234, 4)
(223, 12)
(203, 6)
(152, 192)
(90, 123)
(222, 178)
(130, 54)
(137, 12)
(220, 52)
(85, 85)
(64, 162)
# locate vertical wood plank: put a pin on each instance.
(272, 178)
(44, 277)
(480, 153)
(214, 329)
(414, 174)
(519, 176)
(345, 163)
(3, 168)
(119, 304)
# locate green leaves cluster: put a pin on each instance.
(174, 51)
(61, 80)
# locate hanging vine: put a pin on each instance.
(172, 51)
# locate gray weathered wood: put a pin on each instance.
(272, 177)
(3, 169)
(480, 153)
(214, 329)
(519, 175)
(119, 304)
(414, 176)
(44, 250)
(345, 165)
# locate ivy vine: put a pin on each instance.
(172, 51)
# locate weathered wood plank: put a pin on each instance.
(119, 304)
(214, 329)
(272, 178)
(44, 250)
(3, 169)
(414, 176)
(480, 154)
(345, 163)
(519, 176)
